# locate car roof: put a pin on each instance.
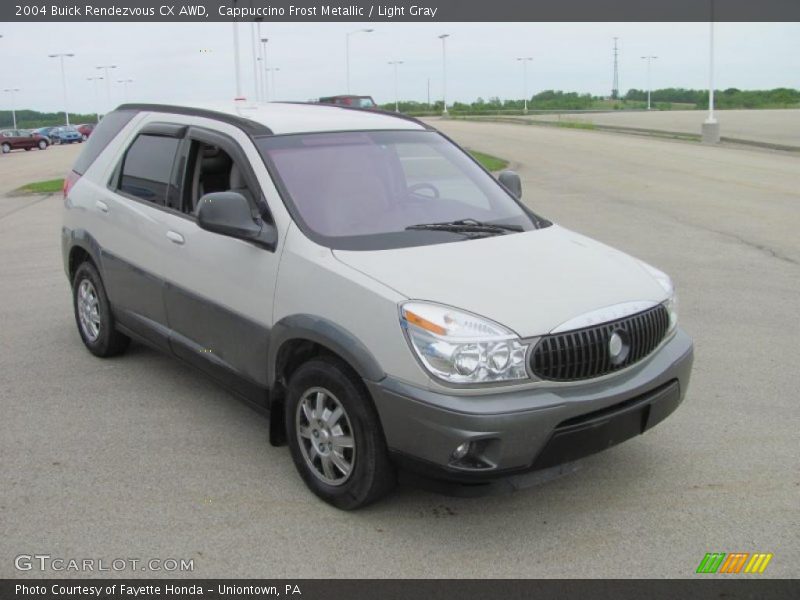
(293, 117)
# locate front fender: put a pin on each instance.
(325, 333)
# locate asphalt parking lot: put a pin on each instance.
(19, 167)
(141, 457)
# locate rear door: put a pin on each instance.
(133, 210)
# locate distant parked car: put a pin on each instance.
(21, 139)
(65, 135)
(354, 101)
(85, 130)
(45, 132)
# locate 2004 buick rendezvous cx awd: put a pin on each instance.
(357, 273)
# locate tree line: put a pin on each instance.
(32, 119)
(663, 99)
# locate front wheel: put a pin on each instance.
(42, 145)
(335, 436)
(93, 314)
(6, 148)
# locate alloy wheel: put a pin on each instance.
(325, 436)
(89, 310)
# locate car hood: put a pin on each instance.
(531, 282)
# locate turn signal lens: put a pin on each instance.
(459, 347)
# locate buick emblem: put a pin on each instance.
(618, 347)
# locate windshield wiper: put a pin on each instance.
(468, 226)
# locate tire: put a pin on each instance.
(6, 148)
(371, 474)
(27, 148)
(96, 327)
(84, 138)
(42, 145)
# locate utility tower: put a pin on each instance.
(615, 85)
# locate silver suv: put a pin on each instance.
(358, 275)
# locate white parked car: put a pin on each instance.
(360, 276)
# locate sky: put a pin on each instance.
(180, 62)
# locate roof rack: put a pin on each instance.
(249, 126)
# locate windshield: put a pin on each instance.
(388, 189)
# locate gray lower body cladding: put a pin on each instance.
(528, 430)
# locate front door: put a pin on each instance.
(218, 290)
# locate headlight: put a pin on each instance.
(460, 347)
(672, 308)
(671, 303)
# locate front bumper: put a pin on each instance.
(532, 429)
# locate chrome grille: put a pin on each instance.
(584, 353)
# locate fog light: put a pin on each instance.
(461, 450)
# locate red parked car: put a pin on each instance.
(349, 100)
(85, 130)
(19, 139)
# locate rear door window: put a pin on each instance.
(147, 167)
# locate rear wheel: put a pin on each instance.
(6, 148)
(335, 436)
(93, 314)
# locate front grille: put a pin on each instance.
(584, 353)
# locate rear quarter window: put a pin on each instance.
(101, 136)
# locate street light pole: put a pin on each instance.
(260, 59)
(525, 60)
(429, 93)
(236, 66)
(396, 101)
(108, 82)
(711, 118)
(266, 69)
(710, 128)
(347, 51)
(648, 59)
(94, 81)
(125, 83)
(254, 52)
(63, 80)
(444, 37)
(13, 103)
(272, 71)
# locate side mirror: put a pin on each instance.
(512, 183)
(228, 213)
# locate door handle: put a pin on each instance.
(102, 206)
(175, 237)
